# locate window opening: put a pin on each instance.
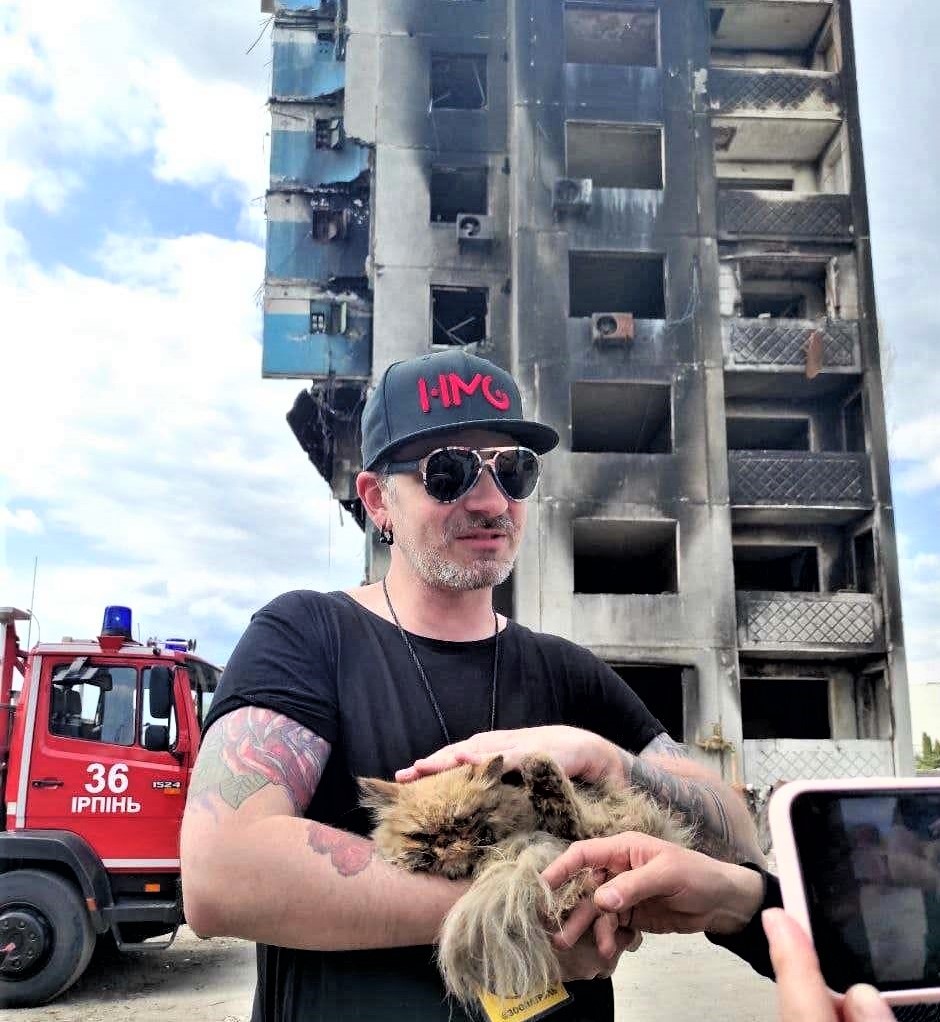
(785, 708)
(456, 190)
(756, 433)
(458, 315)
(853, 421)
(776, 568)
(783, 289)
(756, 184)
(147, 721)
(620, 416)
(458, 82)
(637, 557)
(661, 689)
(100, 709)
(615, 282)
(599, 35)
(863, 553)
(615, 155)
(328, 132)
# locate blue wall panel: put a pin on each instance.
(292, 254)
(295, 159)
(291, 350)
(306, 70)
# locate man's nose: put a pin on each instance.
(486, 497)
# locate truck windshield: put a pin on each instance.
(95, 712)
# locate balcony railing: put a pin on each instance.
(777, 93)
(787, 216)
(783, 343)
(799, 478)
(769, 760)
(800, 623)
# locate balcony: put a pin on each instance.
(784, 486)
(805, 625)
(779, 26)
(793, 114)
(767, 761)
(784, 216)
(781, 345)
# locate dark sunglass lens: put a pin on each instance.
(517, 472)
(448, 474)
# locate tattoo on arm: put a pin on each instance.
(663, 745)
(695, 801)
(252, 747)
(349, 853)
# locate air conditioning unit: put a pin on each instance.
(572, 195)
(474, 229)
(612, 327)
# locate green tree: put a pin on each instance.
(929, 758)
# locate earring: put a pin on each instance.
(385, 535)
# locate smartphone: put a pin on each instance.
(859, 866)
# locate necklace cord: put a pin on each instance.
(422, 674)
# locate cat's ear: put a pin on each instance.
(376, 793)
(492, 770)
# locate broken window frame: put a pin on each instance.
(794, 704)
(629, 389)
(575, 170)
(439, 327)
(662, 557)
(480, 66)
(651, 307)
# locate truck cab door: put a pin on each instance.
(91, 772)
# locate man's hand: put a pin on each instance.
(594, 955)
(801, 990)
(657, 887)
(578, 753)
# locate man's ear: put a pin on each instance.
(376, 793)
(372, 495)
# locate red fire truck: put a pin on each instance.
(96, 750)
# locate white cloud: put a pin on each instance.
(118, 79)
(22, 519)
(151, 444)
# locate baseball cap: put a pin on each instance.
(440, 392)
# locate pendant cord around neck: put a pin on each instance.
(423, 674)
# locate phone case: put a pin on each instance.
(788, 863)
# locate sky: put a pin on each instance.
(144, 461)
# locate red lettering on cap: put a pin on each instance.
(497, 398)
(451, 389)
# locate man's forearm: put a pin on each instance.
(721, 825)
(297, 883)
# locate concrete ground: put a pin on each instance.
(667, 980)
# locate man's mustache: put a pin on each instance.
(480, 523)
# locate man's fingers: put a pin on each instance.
(605, 935)
(628, 939)
(576, 925)
(864, 1004)
(630, 888)
(801, 992)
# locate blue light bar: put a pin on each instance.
(117, 621)
(180, 645)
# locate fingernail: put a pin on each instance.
(771, 918)
(608, 899)
(867, 1004)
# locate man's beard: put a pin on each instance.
(433, 567)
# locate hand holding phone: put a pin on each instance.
(858, 863)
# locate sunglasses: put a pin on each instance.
(450, 472)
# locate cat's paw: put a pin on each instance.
(552, 797)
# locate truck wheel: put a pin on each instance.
(46, 938)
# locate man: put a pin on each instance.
(323, 688)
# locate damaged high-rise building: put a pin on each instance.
(654, 214)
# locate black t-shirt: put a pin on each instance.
(343, 672)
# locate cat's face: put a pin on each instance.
(444, 823)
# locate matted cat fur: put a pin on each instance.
(501, 829)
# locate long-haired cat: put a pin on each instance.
(501, 829)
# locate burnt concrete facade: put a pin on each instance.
(654, 214)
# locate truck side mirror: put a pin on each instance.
(161, 693)
(156, 738)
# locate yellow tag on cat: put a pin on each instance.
(524, 1009)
